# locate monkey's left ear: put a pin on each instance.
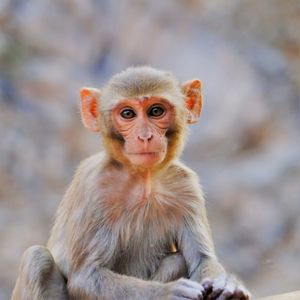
(90, 99)
(193, 99)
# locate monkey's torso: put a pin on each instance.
(131, 231)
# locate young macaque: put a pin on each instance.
(132, 224)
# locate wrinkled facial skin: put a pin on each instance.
(143, 123)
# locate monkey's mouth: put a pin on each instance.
(144, 154)
(145, 158)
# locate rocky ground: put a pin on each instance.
(246, 148)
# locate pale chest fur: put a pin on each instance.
(138, 210)
(132, 228)
(144, 221)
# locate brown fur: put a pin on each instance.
(116, 229)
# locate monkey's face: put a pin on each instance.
(143, 124)
(142, 132)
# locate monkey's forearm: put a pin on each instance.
(172, 267)
(101, 283)
(208, 268)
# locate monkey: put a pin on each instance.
(133, 223)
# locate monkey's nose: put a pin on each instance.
(145, 137)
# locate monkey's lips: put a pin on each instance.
(143, 153)
(146, 159)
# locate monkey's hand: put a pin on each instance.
(183, 289)
(225, 287)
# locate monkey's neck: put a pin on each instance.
(146, 181)
(148, 185)
(141, 178)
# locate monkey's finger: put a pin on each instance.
(228, 290)
(192, 284)
(218, 286)
(207, 285)
(188, 293)
(241, 293)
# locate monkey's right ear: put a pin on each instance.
(90, 98)
(193, 99)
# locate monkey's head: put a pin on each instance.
(142, 115)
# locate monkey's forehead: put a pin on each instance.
(109, 101)
(142, 77)
(144, 81)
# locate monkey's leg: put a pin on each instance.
(172, 267)
(39, 277)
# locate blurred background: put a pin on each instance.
(246, 147)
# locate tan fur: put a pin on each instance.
(142, 81)
(118, 225)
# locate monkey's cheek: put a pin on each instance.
(146, 160)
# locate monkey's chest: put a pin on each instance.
(145, 228)
(147, 234)
(142, 255)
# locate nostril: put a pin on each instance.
(145, 138)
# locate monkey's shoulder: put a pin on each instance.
(92, 163)
(178, 172)
(182, 182)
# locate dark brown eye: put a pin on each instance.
(156, 111)
(128, 113)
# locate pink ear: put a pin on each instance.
(193, 99)
(90, 99)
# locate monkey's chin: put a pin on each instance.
(145, 159)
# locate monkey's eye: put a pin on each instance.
(128, 113)
(156, 111)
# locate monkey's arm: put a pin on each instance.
(92, 282)
(197, 249)
(172, 267)
(203, 266)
